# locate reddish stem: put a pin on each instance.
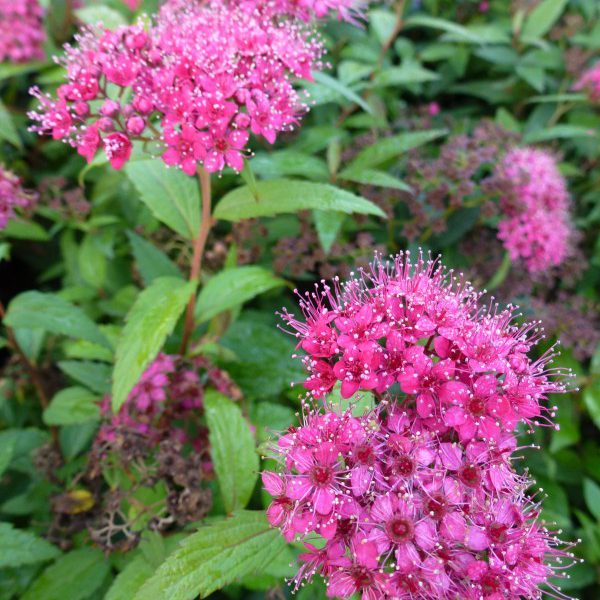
(199, 245)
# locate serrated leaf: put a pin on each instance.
(93, 15)
(72, 406)
(151, 262)
(591, 493)
(392, 147)
(406, 74)
(8, 131)
(171, 195)
(21, 547)
(233, 287)
(374, 177)
(328, 225)
(25, 230)
(541, 19)
(342, 89)
(218, 554)
(233, 450)
(151, 319)
(457, 30)
(130, 580)
(95, 376)
(37, 310)
(74, 576)
(558, 132)
(289, 196)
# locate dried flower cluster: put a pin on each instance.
(197, 81)
(21, 31)
(417, 498)
(13, 197)
(536, 226)
(167, 402)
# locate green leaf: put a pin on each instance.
(286, 163)
(95, 376)
(360, 403)
(4, 251)
(591, 398)
(591, 493)
(374, 177)
(151, 262)
(92, 15)
(559, 132)
(218, 554)
(6, 454)
(566, 97)
(392, 147)
(21, 547)
(541, 19)
(264, 368)
(233, 287)
(72, 406)
(130, 579)
(342, 90)
(25, 230)
(24, 442)
(37, 310)
(407, 73)
(233, 450)
(151, 319)
(289, 196)
(8, 131)
(328, 225)
(457, 30)
(171, 195)
(74, 576)
(92, 262)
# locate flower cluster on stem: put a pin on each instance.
(21, 31)
(191, 85)
(13, 197)
(418, 497)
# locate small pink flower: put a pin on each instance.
(117, 147)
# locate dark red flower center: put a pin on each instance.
(436, 507)
(321, 476)
(362, 578)
(365, 455)
(221, 145)
(470, 475)
(403, 466)
(490, 583)
(497, 532)
(400, 529)
(476, 407)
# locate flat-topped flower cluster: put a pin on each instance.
(191, 84)
(13, 197)
(536, 226)
(418, 497)
(22, 33)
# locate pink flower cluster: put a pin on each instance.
(346, 10)
(191, 86)
(418, 498)
(536, 226)
(590, 82)
(405, 511)
(21, 31)
(13, 197)
(167, 402)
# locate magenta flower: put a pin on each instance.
(13, 198)
(197, 101)
(21, 31)
(435, 525)
(590, 82)
(410, 325)
(536, 226)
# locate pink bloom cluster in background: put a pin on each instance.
(167, 402)
(21, 31)
(418, 498)
(13, 197)
(406, 511)
(198, 81)
(590, 82)
(132, 4)
(346, 10)
(536, 225)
